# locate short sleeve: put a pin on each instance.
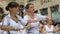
(5, 22)
(23, 22)
(26, 17)
(41, 17)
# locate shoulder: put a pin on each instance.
(7, 17)
(18, 16)
(45, 26)
(26, 16)
(52, 26)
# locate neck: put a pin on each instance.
(49, 25)
(30, 13)
(12, 14)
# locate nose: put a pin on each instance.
(33, 8)
(17, 9)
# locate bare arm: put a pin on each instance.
(10, 28)
(55, 30)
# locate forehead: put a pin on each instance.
(49, 19)
(15, 7)
(31, 5)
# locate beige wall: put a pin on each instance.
(37, 3)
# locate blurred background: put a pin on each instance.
(49, 8)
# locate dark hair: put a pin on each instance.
(12, 5)
(27, 6)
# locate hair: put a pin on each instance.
(48, 19)
(27, 6)
(12, 5)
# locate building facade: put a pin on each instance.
(49, 8)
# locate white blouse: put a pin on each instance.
(34, 26)
(48, 30)
(7, 21)
(0, 28)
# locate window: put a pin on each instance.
(44, 11)
(1, 10)
(36, 11)
(46, 1)
(12, 0)
(55, 13)
(1, 13)
(30, 0)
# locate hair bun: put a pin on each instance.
(7, 8)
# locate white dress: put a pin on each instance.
(34, 26)
(7, 21)
(48, 30)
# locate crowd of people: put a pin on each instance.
(29, 24)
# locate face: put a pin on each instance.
(14, 10)
(31, 9)
(49, 21)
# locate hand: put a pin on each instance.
(28, 25)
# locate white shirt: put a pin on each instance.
(48, 30)
(10, 22)
(0, 29)
(34, 26)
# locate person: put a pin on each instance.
(12, 23)
(58, 27)
(0, 28)
(34, 19)
(1, 23)
(49, 28)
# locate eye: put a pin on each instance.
(32, 7)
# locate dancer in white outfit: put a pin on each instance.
(0, 28)
(12, 23)
(35, 18)
(49, 28)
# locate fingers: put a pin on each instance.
(28, 25)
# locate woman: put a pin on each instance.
(58, 27)
(0, 27)
(35, 18)
(1, 23)
(49, 28)
(12, 23)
